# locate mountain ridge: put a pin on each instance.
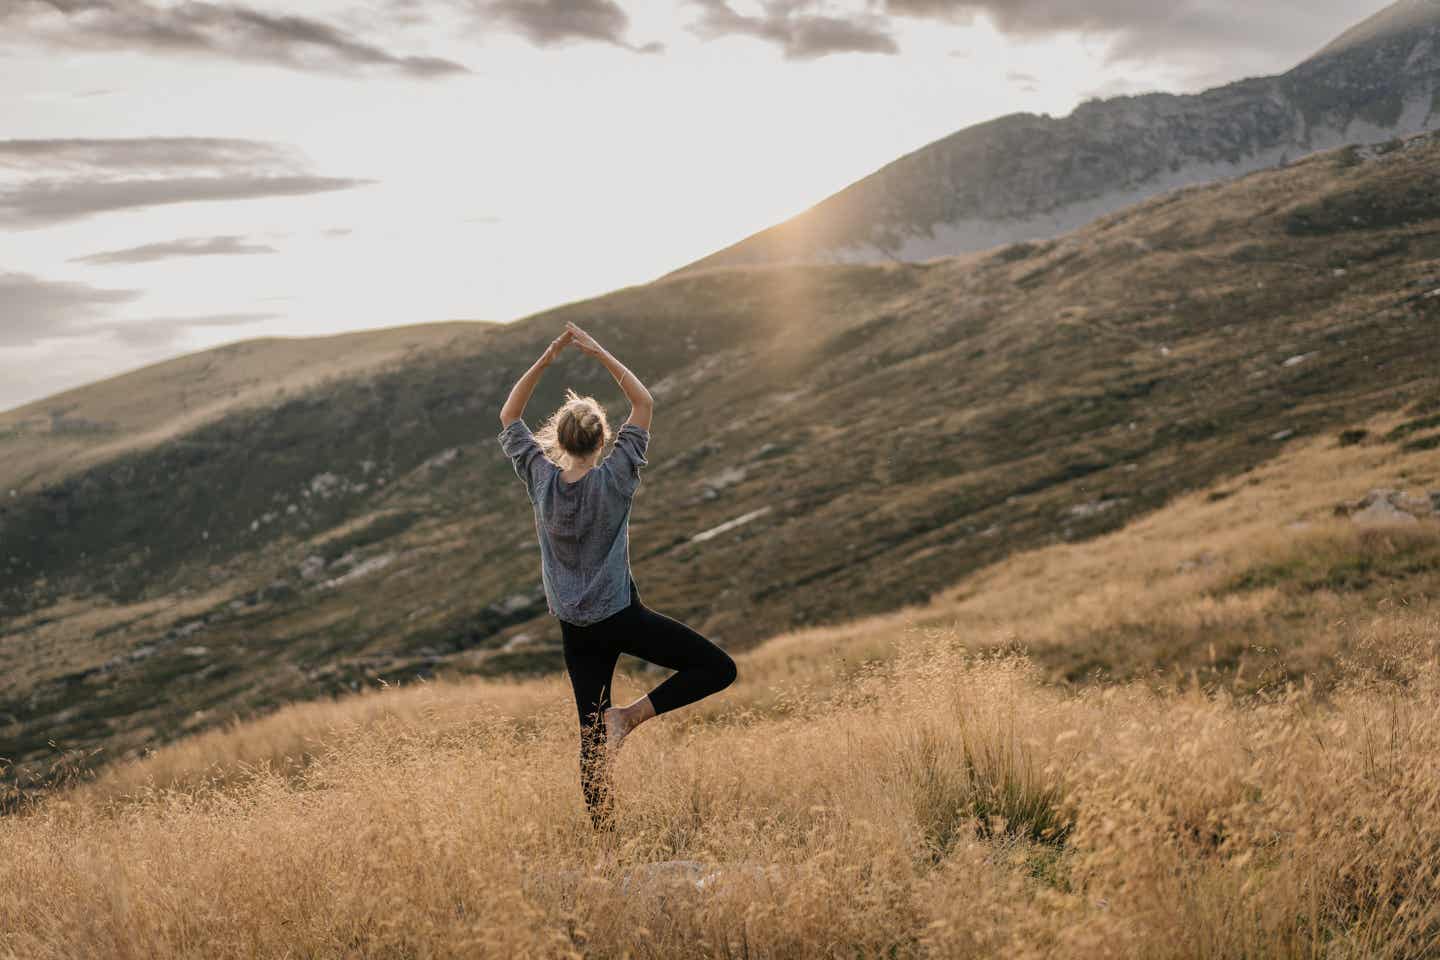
(1024, 176)
(1398, 18)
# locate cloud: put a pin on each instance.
(801, 35)
(551, 22)
(1146, 30)
(52, 181)
(35, 309)
(45, 202)
(151, 153)
(162, 331)
(173, 249)
(1026, 82)
(199, 27)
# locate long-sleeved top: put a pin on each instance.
(584, 527)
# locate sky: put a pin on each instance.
(177, 175)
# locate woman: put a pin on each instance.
(582, 516)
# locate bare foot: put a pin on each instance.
(619, 721)
(617, 725)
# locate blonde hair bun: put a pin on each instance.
(577, 428)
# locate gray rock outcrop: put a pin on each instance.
(1388, 506)
(1026, 176)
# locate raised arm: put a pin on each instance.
(642, 405)
(520, 393)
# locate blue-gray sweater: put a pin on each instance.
(584, 527)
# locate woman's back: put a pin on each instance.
(583, 527)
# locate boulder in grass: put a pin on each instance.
(1382, 512)
(1417, 505)
(1384, 505)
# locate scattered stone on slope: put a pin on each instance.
(442, 459)
(725, 478)
(516, 642)
(1385, 505)
(312, 567)
(1094, 506)
(368, 567)
(189, 630)
(516, 602)
(715, 531)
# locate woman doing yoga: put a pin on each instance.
(582, 516)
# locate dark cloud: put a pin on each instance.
(1147, 30)
(799, 33)
(58, 180)
(34, 309)
(197, 27)
(173, 249)
(150, 153)
(1036, 17)
(550, 22)
(42, 203)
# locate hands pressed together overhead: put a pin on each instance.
(578, 337)
(514, 404)
(641, 402)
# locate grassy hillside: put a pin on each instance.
(888, 429)
(939, 781)
(67, 432)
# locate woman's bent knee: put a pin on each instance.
(725, 671)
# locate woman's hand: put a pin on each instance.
(583, 340)
(556, 346)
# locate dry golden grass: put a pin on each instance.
(889, 788)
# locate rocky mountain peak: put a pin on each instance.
(1028, 177)
(1395, 21)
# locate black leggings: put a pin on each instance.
(591, 652)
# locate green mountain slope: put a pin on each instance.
(880, 430)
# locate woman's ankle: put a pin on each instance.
(639, 711)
